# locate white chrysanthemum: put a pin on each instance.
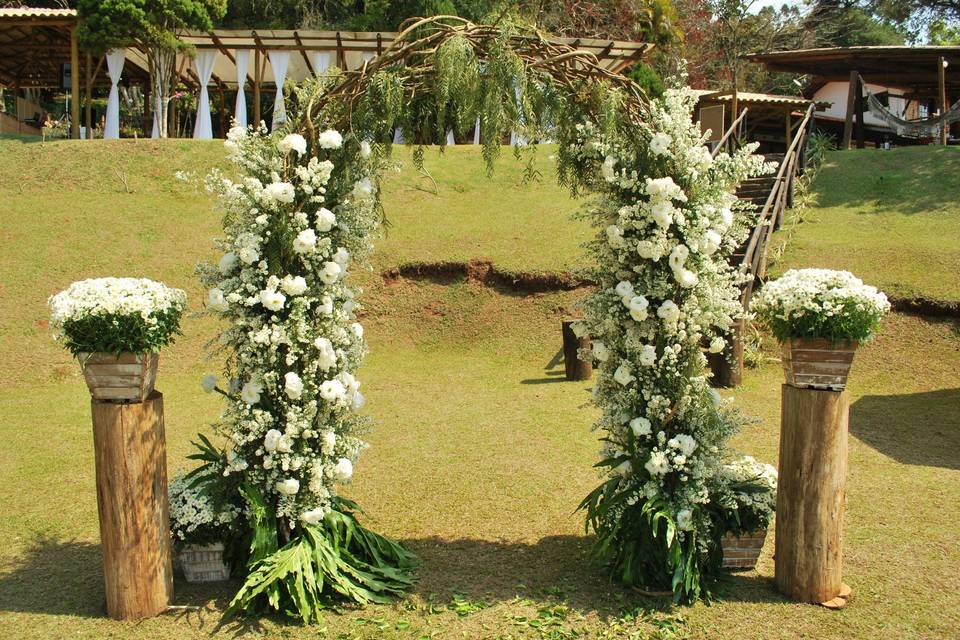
(657, 464)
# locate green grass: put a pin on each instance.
(890, 217)
(480, 451)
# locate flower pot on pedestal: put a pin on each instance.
(124, 377)
(204, 563)
(817, 363)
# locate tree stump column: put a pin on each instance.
(131, 469)
(575, 368)
(811, 494)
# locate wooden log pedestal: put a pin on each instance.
(574, 367)
(131, 460)
(810, 496)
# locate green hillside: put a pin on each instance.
(480, 451)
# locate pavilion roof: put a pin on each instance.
(899, 66)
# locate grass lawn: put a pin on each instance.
(480, 451)
(890, 217)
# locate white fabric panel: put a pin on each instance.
(516, 138)
(368, 56)
(115, 59)
(242, 56)
(321, 61)
(398, 136)
(203, 64)
(476, 132)
(450, 139)
(279, 60)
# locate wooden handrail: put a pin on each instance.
(727, 133)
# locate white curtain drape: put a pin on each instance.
(321, 61)
(279, 60)
(398, 136)
(203, 63)
(450, 139)
(517, 139)
(476, 132)
(115, 60)
(242, 56)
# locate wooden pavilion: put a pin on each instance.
(926, 76)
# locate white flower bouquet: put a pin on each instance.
(195, 519)
(820, 303)
(743, 497)
(116, 315)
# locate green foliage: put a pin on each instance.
(818, 144)
(122, 333)
(107, 24)
(647, 79)
(336, 559)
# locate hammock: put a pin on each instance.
(929, 128)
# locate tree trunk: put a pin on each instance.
(131, 471)
(161, 62)
(811, 493)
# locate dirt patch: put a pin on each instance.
(483, 272)
(926, 307)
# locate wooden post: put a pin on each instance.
(256, 88)
(860, 109)
(727, 366)
(851, 100)
(574, 367)
(74, 85)
(811, 495)
(131, 461)
(942, 79)
(88, 102)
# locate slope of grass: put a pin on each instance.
(480, 451)
(890, 217)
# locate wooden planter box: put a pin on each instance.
(817, 364)
(128, 377)
(204, 564)
(742, 552)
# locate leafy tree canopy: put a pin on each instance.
(115, 23)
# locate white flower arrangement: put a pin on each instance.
(820, 303)
(114, 315)
(669, 223)
(744, 496)
(194, 519)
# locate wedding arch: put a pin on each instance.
(305, 209)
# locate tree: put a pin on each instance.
(108, 24)
(840, 23)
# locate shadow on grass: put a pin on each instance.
(918, 428)
(553, 567)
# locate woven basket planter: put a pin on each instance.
(204, 564)
(742, 552)
(128, 377)
(817, 364)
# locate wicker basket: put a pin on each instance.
(817, 364)
(204, 564)
(128, 377)
(742, 552)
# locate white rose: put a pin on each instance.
(330, 272)
(624, 289)
(216, 301)
(280, 192)
(624, 375)
(271, 440)
(332, 390)
(678, 257)
(357, 329)
(208, 383)
(662, 213)
(250, 393)
(341, 257)
(363, 189)
(288, 487)
(711, 242)
(726, 217)
(272, 300)
(330, 139)
(325, 219)
(640, 427)
(312, 516)
(648, 355)
(292, 385)
(358, 402)
(600, 351)
(228, 262)
(293, 142)
(365, 149)
(293, 285)
(669, 312)
(686, 278)
(684, 443)
(343, 470)
(325, 306)
(623, 469)
(249, 255)
(717, 345)
(305, 242)
(615, 236)
(660, 144)
(327, 356)
(638, 308)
